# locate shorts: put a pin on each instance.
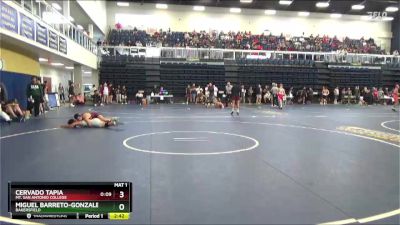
(235, 99)
(280, 97)
(94, 115)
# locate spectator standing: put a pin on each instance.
(357, 94)
(193, 94)
(228, 91)
(258, 94)
(310, 95)
(250, 94)
(118, 94)
(274, 92)
(303, 95)
(45, 96)
(71, 94)
(211, 94)
(375, 95)
(336, 95)
(215, 91)
(188, 94)
(105, 93)
(281, 95)
(61, 93)
(243, 93)
(111, 92)
(381, 95)
(124, 95)
(349, 94)
(395, 95)
(343, 96)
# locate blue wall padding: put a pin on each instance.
(15, 86)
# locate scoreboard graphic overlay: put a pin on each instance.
(70, 200)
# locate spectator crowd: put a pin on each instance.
(210, 94)
(241, 40)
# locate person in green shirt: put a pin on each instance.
(34, 94)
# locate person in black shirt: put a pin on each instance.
(71, 94)
(34, 94)
(235, 96)
(211, 96)
(96, 98)
(124, 95)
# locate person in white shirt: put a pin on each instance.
(228, 89)
(105, 93)
(215, 91)
(336, 95)
(243, 92)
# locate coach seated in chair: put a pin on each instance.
(79, 99)
(96, 98)
(140, 98)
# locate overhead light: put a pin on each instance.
(69, 67)
(52, 17)
(87, 72)
(80, 27)
(123, 4)
(199, 8)
(322, 4)
(387, 18)
(56, 6)
(304, 13)
(357, 7)
(270, 12)
(161, 6)
(235, 10)
(336, 15)
(246, 1)
(57, 64)
(392, 9)
(71, 19)
(43, 60)
(285, 2)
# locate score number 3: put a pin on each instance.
(121, 195)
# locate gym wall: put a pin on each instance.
(18, 68)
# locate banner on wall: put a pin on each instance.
(8, 17)
(53, 40)
(41, 34)
(62, 45)
(27, 27)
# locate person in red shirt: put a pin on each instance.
(395, 96)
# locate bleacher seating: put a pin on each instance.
(139, 73)
(241, 40)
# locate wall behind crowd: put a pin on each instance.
(18, 68)
(183, 18)
(57, 76)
